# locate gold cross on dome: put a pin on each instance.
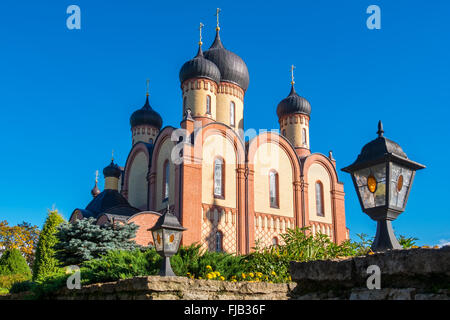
(96, 176)
(112, 155)
(217, 15)
(292, 74)
(200, 29)
(148, 84)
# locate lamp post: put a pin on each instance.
(167, 233)
(383, 175)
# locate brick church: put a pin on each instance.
(227, 188)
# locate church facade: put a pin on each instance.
(230, 189)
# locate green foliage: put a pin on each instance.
(121, 264)
(22, 286)
(8, 281)
(407, 243)
(84, 240)
(12, 262)
(23, 236)
(192, 260)
(45, 261)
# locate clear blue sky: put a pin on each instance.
(66, 95)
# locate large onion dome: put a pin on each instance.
(199, 67)
(146, 116)
(292, 104)
(232, 68)
(112, 170)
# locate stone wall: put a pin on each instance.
(413, 274)
(177, 288)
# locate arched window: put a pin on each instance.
(219, 178)
(319, 199)
(273, 189)
(283, 132)
(166, 177)
(232, 113)
(304, 137)
(275, 241)
(219, 241)
(208, 104)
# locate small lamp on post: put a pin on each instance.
(383, 175)
(167, 233)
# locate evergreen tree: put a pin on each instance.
(84, 240)
(12, 262)
(45, 261)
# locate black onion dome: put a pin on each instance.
(146, 116)
(112, 170)
(292, 104)
(232, 68)
(199, 67)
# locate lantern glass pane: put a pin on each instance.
(378, 197)
(171, 240)
(399, 185)
(158, 239)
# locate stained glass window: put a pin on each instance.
(218, 177)
(319, 199)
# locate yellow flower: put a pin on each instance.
(273, 273)
(243, 275)
(251, 274)
(200, 278)
(426, 247)
(436, 247)
(233, 277)
(222, 278)
(188, 274)
(259, 274)
(209, 267)
(234, 280)
(209, 276)
(414, 247)
(217, 273)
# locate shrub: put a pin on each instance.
(8, 281)
(84, 240)
(45, 261)
(12, 262)
(121, 264)
(193, 261)
(22, 286)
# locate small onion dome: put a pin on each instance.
(95, 191)
(146, 116)
(199, 67)
(112, 170)
(232, 68)
(292, 104)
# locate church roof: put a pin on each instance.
(146, 116)
(199, 67)
(106, 201)
(232, 68)
(292, 104)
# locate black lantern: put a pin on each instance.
(167, 233)
(383, 175)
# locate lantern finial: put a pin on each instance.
(380, 129)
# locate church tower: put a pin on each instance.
(199, 80)
(214, 84)
(293, 116)
(145, 123)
